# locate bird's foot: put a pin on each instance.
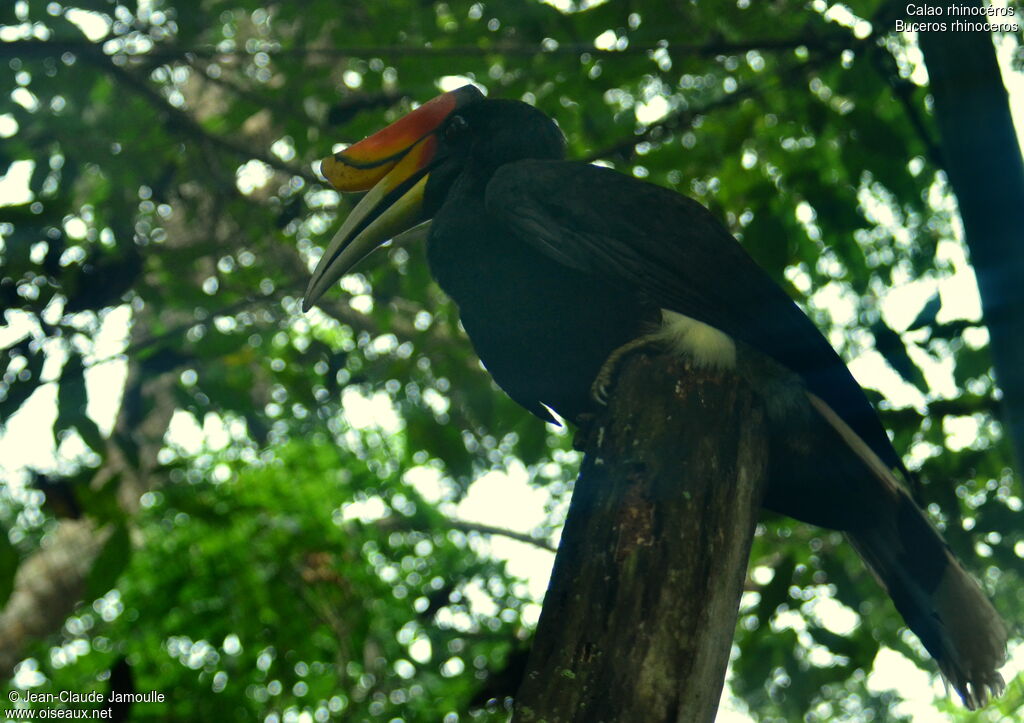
(601, 388)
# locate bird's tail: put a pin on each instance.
(940, 602)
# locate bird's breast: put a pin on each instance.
(543, 330)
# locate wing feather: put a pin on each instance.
(678, 255)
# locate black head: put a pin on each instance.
(477, 139)
(410, 167)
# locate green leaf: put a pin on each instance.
(848, 646)
(890, 345)
(928, 313)
(776, 592)
(22, 386)
(71, 406)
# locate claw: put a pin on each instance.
(604, 382)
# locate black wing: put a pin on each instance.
(603, 223)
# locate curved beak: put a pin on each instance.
(394, 165)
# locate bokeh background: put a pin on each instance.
(270, 515)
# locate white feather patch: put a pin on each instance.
(705, 345)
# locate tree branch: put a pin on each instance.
(639, 615)
(903, 91)
(685, 118)
(672, 122)
(179, 122)
(962, 406)
(401, 523)
(47, 587)
(529, 539)
(33, 47)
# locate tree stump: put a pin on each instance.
(639, 615)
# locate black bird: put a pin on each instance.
(558, 266)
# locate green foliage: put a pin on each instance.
(262, 593)
(168, 148)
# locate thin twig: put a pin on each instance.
(529, 539)
(903, 90)
(400, 523)
(181, 123)
(672, 122)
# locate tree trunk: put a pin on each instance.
(46, 588)
(51, 580)
(640, 611)
(983, 162)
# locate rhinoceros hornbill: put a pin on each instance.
(557, 266)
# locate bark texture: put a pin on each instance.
(51, 581)
(983, 161)
(46, 588)
(640, 611)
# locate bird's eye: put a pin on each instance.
(455, 128)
